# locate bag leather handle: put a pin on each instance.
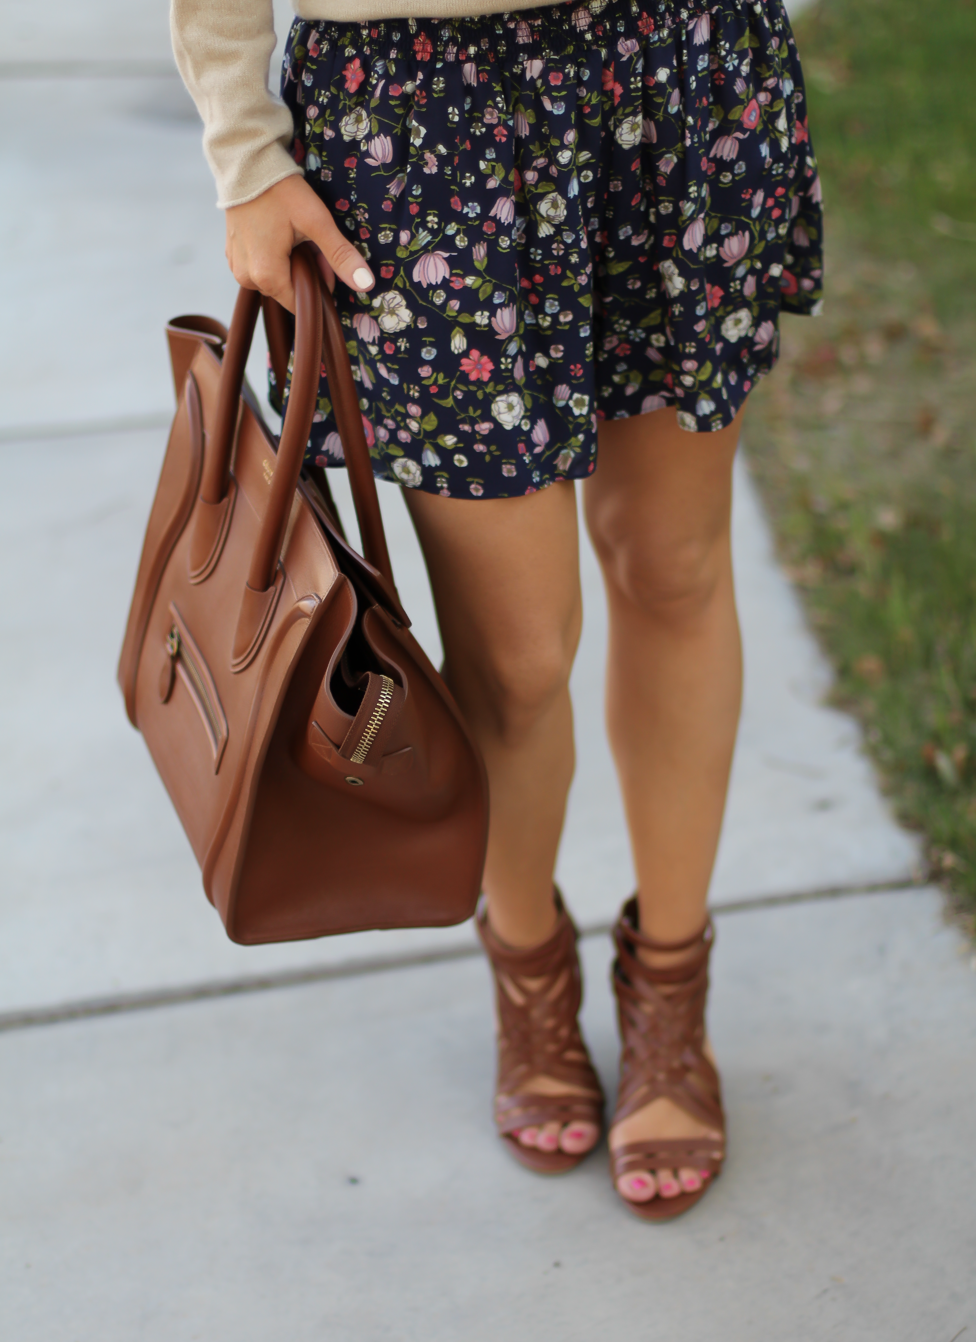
(319, 338)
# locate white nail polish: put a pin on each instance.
(361, 278)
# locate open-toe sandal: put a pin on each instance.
(662, 1030)
(538, 994)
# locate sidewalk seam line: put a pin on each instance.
(129, 1003)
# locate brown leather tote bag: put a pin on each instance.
(323, 773)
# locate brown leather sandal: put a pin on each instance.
(662, 1029)
(538, 994)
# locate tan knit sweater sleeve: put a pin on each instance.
(223, 48)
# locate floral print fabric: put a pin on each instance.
(581, 211)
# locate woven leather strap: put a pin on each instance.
(661, 1011)
(538, 993)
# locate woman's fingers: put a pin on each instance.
(262, 233)
(315, 224)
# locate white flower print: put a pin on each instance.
(629, 132)
(673, 282)
(355, 125)
(552, 207)
(508, 409)
(407, 472)
(579, 404)
(737, 324)
(393, 313)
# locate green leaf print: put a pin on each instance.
(429, 422)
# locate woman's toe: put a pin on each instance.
(579, 1137)
(667, 1183)
(548, 1139)
(690, 1180)
(529, 1136)
(638, 1187)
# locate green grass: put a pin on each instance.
(863, 441)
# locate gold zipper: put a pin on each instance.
(375, 721)
(179, 652)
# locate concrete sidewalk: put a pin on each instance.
(253, 1159)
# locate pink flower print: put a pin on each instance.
(366, 327)
(674, 102)
(469, 72)
(518, 371)
(582, 18)
(540, 434)
(380, 150)
(490, 117)
(666, 163)
(477, 366)
(523, 33)
(364, 376)
(430, 162)
(714, 294)
(483, 426)
(503, 210)
(734, 248)
(814, 192)
(694, 235)
(701, 30)
(750, 117)
(648, 131)
(476, 489)
(650, 403)
(396, 186)
(562, 394)
(312, 112)
(431, 268)
(354, 75)
(333, 447)
(725, 147)
(504, 321)
(508, 468)
(521, 125)
(479, 251)
(414, 409)
(749, 287)
(764, 335)
(533, 69)
(801, 238)
(757, 203)
(564, 460)
(627, 46)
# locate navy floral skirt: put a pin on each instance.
(584, 211)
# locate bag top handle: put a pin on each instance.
(319, 339)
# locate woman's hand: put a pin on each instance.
(262, 233)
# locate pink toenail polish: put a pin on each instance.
(638, 1183)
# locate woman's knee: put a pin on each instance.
(517, 681)
(670, 574)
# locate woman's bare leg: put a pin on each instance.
(505, 578)
(658, 511)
